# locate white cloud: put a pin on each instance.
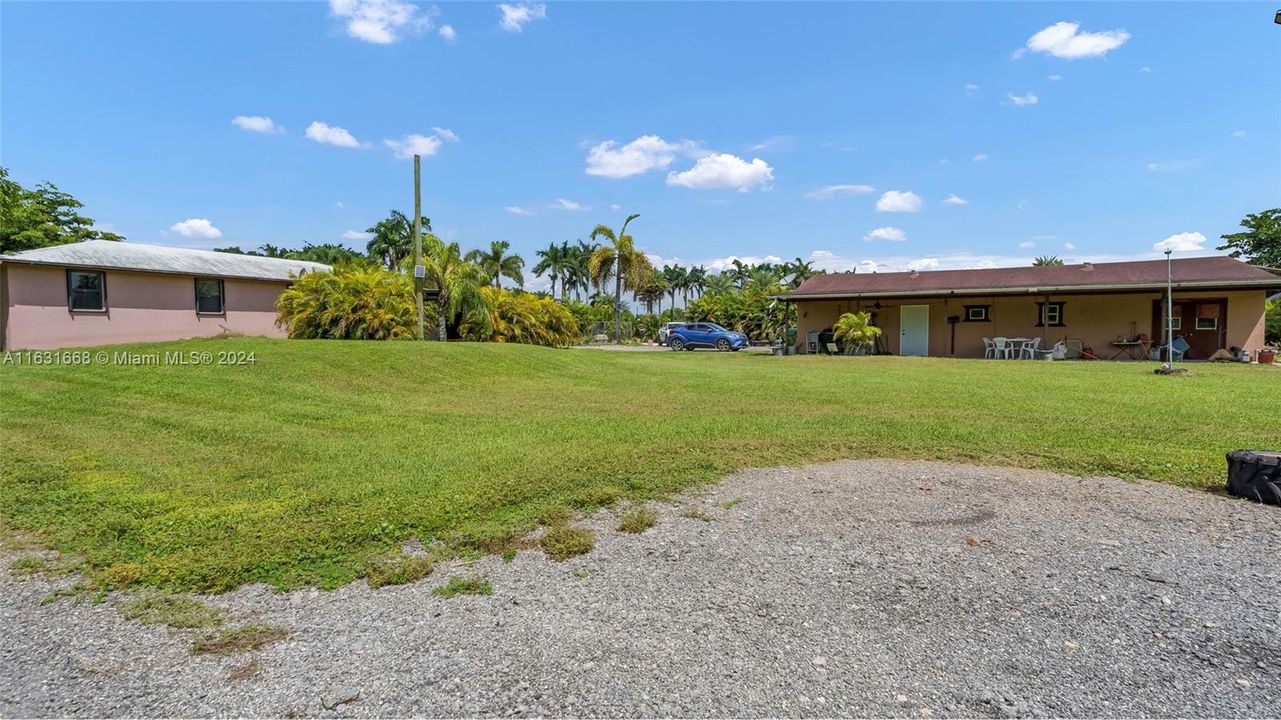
(892, 234)
(256, 123)
(719, 264)
(414, 144)
(899, 201)
(615, 207)
(970, 88)
(356, 236)
(570, 205)
(338, 204)
(517, 16)
(944, 161)
(381, 21)
(1064, 40)
(954, 200)
(1182, 242)
(1054, 78)
(1021, 100)
(827, 192)
(1069, 246)
(923, 264)
(1145, 70)
(331, 135)
(517, 210)
(445, 134)
(198, 228)
(724, 171)
(1238, 134)
(645, 153)
(1027, 245)
(777, 142)
(980, 158)
(448, 32)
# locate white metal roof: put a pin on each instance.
(112, 255)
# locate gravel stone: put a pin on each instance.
(867, 588)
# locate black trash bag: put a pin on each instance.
(1255, 474)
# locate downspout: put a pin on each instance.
(4, 307)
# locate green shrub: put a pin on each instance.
(1272, 323)
(350, 303)
(519, 317)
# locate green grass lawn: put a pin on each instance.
(324, 456)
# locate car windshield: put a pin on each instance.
(716, 328)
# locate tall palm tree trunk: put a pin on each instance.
(618, 307)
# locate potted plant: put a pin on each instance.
(856, 331)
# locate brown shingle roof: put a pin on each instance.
(1211, 272)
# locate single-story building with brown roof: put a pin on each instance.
(1218, 303)
(101, 292)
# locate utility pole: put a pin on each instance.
(420, 273)
(1169, 308)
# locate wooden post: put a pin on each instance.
(419, 279)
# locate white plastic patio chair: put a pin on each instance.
(989, 349)
(1030, 349)
(1003, 347)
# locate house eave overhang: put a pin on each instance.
(145, 271)
(1266, 285)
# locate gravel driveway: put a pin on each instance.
(856, 588)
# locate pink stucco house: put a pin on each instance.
(101, 292)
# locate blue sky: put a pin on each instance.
(829, 131)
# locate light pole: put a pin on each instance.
(1169, 307)
(420, 274)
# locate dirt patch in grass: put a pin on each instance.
(565, 541)
(637, 520)
(249, 670)
(464, 585)
(235, 640)
(400, 571)
(174, 610)
(727, 504)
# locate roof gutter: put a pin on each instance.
(1261, 284)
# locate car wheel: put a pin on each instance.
(676, 344)
(723, 345)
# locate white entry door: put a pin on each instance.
(914, 330)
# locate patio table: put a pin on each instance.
(1133, 349)
(1016, 347)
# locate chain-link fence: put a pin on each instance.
(602, 333)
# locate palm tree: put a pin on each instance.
(498, 264)
(555, 263)
(460, 282)
(393, 239)
(620, 259)
(800, 270)
(856, 331)
(696, 279)
(650, 292)
(1047, 261)
(674, 275)
(583, 256)
(719, 284)
(739, 272)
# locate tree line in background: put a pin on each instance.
(370, 294)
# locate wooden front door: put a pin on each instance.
(1203, 323)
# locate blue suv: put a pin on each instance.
(708, 335)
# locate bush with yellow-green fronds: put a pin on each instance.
(521, 317)
(349, 303)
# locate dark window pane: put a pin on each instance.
(209, 296)
(85, 290)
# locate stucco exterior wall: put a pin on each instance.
(141, 307)
(1095, 320)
